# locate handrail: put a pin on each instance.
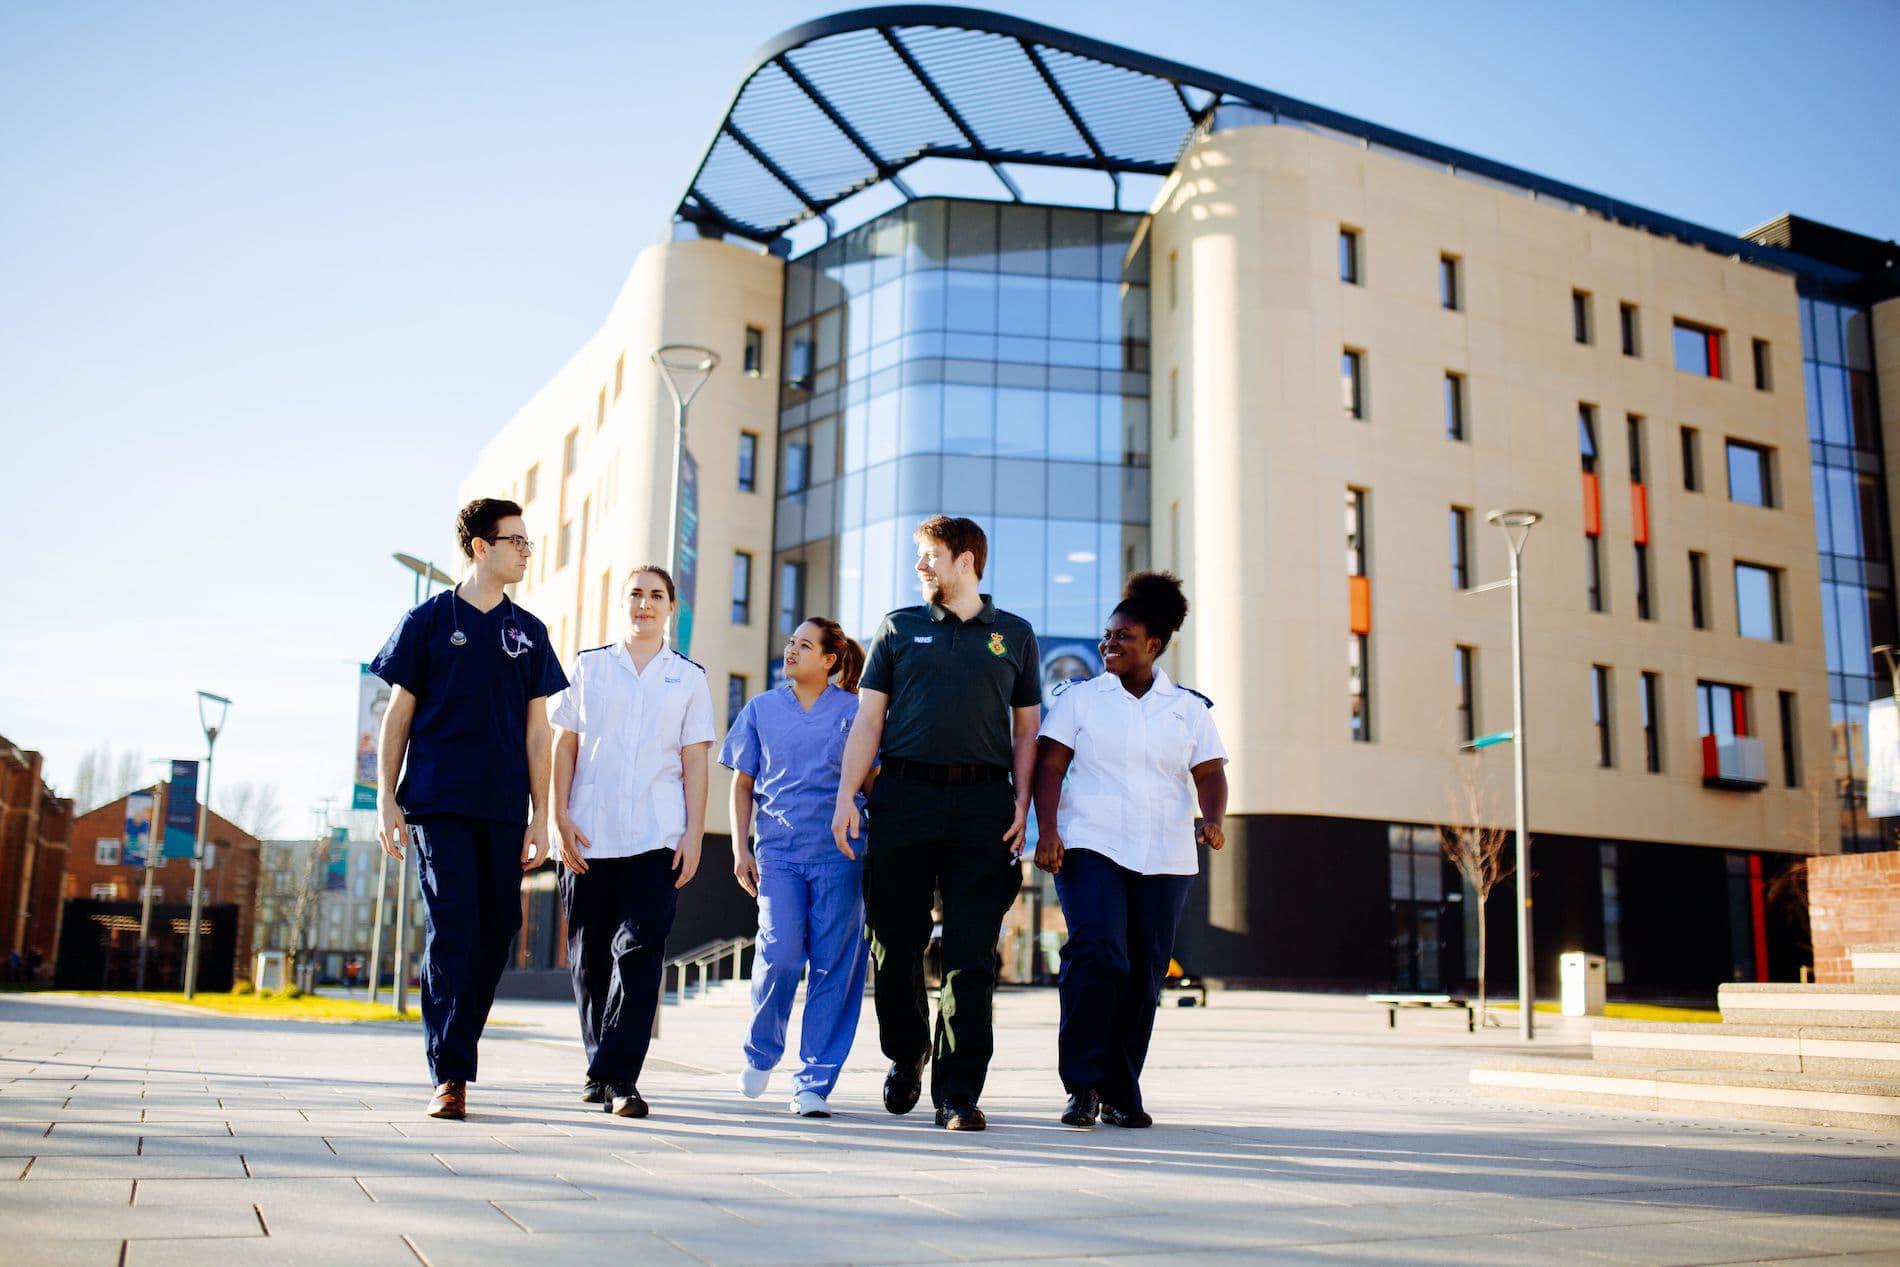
(700, 957)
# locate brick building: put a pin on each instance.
(97, 875)
(34, 826)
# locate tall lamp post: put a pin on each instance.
(685, 368)
(427, 577)
(212, 729)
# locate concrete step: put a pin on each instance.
(1796, 1098)
(1876, 965)
(1834, 1051)
(1837, 1006)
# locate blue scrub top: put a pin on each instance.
(795, 759)
(468, 743)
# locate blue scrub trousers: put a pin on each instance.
(470, 875)
(809, 913)
(1121, 936)
(618, 916)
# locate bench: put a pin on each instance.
(1393, 1002)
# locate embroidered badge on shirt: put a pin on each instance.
(998, 647)
(922, 638)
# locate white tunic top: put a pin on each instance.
(1129, 794)
(629, 795)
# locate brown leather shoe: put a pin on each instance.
(450, 1100)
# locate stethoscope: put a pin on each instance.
(513, 648)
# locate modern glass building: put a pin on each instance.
(1126, 312)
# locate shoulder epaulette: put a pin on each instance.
(1197, 695)
(602, 647)
(1060, 687)
(696, 664)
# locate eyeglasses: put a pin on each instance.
(519, 542)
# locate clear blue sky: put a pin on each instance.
(270, 275)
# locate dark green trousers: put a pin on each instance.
(926, 841)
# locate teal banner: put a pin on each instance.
(686, 566)
(181, 811)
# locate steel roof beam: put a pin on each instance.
(950, 112)
(1075, 116)
(778, 173)
(886, 170)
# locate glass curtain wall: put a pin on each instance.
(967, 358)
(1850, 499)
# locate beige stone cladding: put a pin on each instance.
(1259, 460)
(609, 404)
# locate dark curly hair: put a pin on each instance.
(476, 521)
(1155, 601)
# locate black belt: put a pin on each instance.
(946, 775)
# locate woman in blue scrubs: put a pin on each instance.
(786, 751)
(1127, 761)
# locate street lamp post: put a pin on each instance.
(427, 577)
(1517, 527)
(684, 368)
(212, 729)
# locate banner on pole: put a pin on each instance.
(686, 566)
(372, 697)
(1883, 759)
(181, 811)
(139, 808)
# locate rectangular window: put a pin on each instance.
(566, 544)
(570, 452)
(1691, 460)
(1352, 386)
(1174, 280)
(794, 462)
(1750, 474)
(105, 851)
(1790, 741)
(1758, 602)
(600, 409)
(1454, 405)
(1462, 662)
(1642, 583)
(1650, 701)
(741, 588)
(1721, 711)
(1349, 262)
(1698, 349)
(748, 461)
(1359, 687)
(791, 596)
(735, 697)
(798, 358)
(620, 375)
(1580, 324)
(1632, 329)
(1764, 371)
(1356, 499)
(1460, 547)
(606, 603)
(105, 892)
(1449, 291)
(1593, 571)
(1633, 425)
(531, 482)
(1698, 589)
(1174, 403)
(754, 351)
(1600, 713)
(1587, 436)
(1174, 537)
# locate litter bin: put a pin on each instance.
(1584, 978)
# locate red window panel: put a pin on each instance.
(1711, 759)
(1740, 700)
(1359, 592)
(1639, 513)
(1592, 506)
(1758, 915)
(1715, 353)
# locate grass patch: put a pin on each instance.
(270, 1007)
(1632, 1012)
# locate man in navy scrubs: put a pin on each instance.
(469, 674)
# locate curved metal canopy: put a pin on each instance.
(839, 104)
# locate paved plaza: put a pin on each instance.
(1290, 1128)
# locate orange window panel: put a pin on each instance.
(1592, 506)
(1639, 513)
(1359, 589)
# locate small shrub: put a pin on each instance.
(241, 986)
(293, 992)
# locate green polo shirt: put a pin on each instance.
(952, 683)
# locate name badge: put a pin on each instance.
(673, 679)
(923, 637)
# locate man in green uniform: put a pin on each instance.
(949, 703)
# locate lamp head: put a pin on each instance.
(221, 705)
(1517, 525)
(685, 367)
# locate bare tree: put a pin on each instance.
(252, 806)
(103, 777)
(1477, 848)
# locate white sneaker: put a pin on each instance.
(810, 1104)
(752, 1081)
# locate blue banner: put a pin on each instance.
(139, 809)
(336, 874)
(181, 811)
(686, 566)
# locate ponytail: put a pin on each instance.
(833, 641)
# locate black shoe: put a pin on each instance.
(593, 1091)
(624, 1100)
(961, 1117)
(1082, 1110)
(1132, 1119)
(902, 1085)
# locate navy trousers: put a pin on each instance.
(470, 876)
(1121, 936)
(618, 916)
